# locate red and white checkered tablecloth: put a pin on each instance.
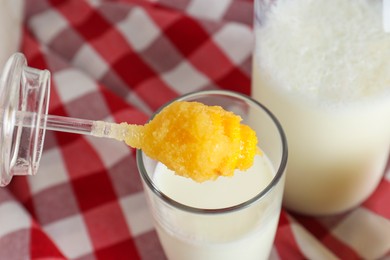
(119, 61)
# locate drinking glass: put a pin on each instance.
(209, 220)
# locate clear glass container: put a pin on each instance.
(215, 220)
(322, 67)
(24, 97)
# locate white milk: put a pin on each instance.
(323, 68)
(246, 234)
(11, 18)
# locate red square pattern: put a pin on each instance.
(93, 27)
(379, 201)
(159, 89)
(42, 247)
(111, 45)
(132, 69)
(163, 18)
(123, 250)
(216, 65)
(76, 12)
(93, 190)
(324, 235)
(17, 250)
(54, 203)
(235, 80)
(109, 232)
(187, 35)
(79, 163)
(114, 102)
(285, 243)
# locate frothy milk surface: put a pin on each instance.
(332, 51)
(236, 236)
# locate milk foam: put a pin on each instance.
(332, 51)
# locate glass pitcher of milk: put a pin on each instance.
(323, 68)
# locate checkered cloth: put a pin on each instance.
(120, 61)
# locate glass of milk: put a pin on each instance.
(229, 218)
(323, 68)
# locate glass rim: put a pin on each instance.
(275, 180)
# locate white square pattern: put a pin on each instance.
(208, 9)
(185, 78)
(373, 230)
(137, 214)
(71, 236)
(45, 31)
(310, 246)
(138, 102)
(52, 171)
(236, 40)
(89, 60)
(139, 29)
(12, 218)
(73, 84)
